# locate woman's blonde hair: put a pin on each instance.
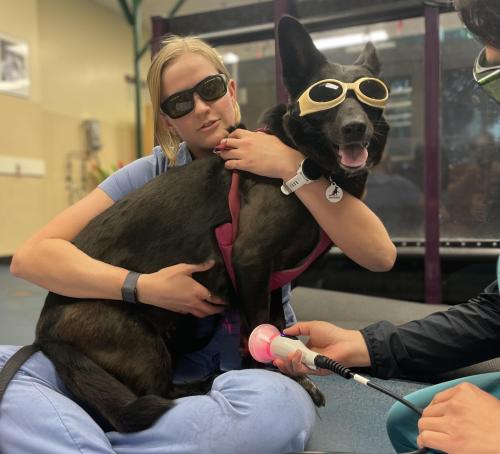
(173, 47)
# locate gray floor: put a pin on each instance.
(20, 304)
(354, 417)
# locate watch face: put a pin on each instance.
(311, 170)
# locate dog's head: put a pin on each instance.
(345, 138)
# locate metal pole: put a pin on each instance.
(175, 8)
(431, 157)
(134, 19)
(137, 56)
(158, 26)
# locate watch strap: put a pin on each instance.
(294, 183)
(129, 288)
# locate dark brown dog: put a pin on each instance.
(117, 358)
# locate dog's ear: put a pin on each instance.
(369, 59)
(299, 56)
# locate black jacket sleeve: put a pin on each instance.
(463, 335)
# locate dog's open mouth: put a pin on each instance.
(353, 156)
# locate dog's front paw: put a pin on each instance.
(312, 389)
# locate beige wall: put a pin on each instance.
(79, 55)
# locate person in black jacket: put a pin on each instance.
(461, 416)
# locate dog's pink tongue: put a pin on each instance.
(353, 155)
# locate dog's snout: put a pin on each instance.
(354, 131)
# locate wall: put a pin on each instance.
(79, 54)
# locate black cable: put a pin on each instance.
(324, 362)
(417, 410)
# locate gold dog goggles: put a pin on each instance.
(329, 93)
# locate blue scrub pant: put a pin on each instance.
(402, 422)
(247, 411)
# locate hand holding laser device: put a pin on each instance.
(266, 343)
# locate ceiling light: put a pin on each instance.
(350, 40)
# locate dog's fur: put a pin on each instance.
(117, 359)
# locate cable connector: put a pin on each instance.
(323, 362)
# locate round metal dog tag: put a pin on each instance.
(334, 193)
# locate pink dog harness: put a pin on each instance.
(226, 235)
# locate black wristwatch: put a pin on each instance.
(308, 172)
(129, 288)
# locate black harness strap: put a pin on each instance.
(13, 364)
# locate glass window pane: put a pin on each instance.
(252, 66)
(470, 142)
(394, 188)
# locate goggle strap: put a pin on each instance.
(487, 78)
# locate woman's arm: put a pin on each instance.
(350, 224)
(48, 259)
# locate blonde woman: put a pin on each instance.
(194, 103)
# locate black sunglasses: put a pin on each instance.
(181, 103)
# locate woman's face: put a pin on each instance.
(206, 125)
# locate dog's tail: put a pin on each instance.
(113, 405)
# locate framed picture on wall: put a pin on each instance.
(14, 77)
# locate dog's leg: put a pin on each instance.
(278, 320)
(253, 259)
(257, 301)
(102, 393)
(253, 299)
(252, 280)
(127, 347)
(276, 313)
(193, 388)
(312, 389)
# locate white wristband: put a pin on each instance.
(294, 183)
(302, 178)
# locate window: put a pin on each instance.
(469, 126)
(470, 142)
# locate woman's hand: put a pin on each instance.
(173, 288)
(461, 420)
(345, 346)
(259, 153)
